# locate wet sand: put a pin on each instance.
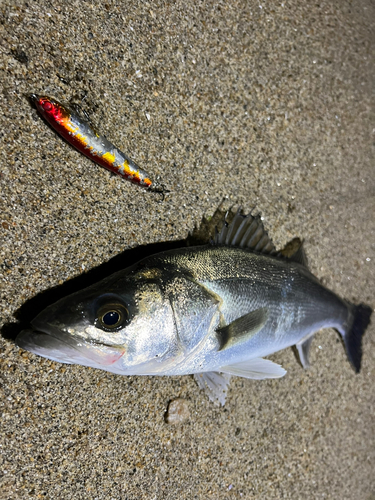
(260, 104)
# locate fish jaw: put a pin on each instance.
(60, 346)
(63, 348)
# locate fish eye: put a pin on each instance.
(111, 317)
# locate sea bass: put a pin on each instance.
(213, 311)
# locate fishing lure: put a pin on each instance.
(80, 134)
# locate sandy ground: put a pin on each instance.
(264, 104)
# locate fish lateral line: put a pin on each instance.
(80, 134)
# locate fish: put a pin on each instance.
(80, 133)
(214, 311)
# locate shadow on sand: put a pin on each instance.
(37, 304)
(31, 308)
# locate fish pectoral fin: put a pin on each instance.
(303, 348)
(256, 368)
(214, 384)
(241, 329)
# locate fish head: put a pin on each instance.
(123, 324)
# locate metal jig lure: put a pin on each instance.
(80, 134)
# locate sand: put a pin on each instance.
(266, 104)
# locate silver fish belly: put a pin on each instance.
(213, 311)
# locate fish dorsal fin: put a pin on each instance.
(256, 368)
(295, 252)
(241, 329)
(214, 384)
(244, 231)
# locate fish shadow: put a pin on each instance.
(32, 307)
(200, 235)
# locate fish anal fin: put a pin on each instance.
(256, 368)
(241, 329)
(303, 348)
(214, 384)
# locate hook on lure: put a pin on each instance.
(79, 133)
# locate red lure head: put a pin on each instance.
(50, 109)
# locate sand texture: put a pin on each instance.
(262, 104)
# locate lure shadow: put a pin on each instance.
(37, 304)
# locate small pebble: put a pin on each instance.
(178, 412)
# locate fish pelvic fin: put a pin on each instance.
(215, 385)
(353, 333)
(241, 329)
(256, 368)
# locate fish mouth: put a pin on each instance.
(57, 345)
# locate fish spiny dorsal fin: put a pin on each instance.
(244, 231)
(295, 252)
(202, 234)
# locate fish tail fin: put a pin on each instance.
(353, 333)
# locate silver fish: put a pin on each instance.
(213, 311)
